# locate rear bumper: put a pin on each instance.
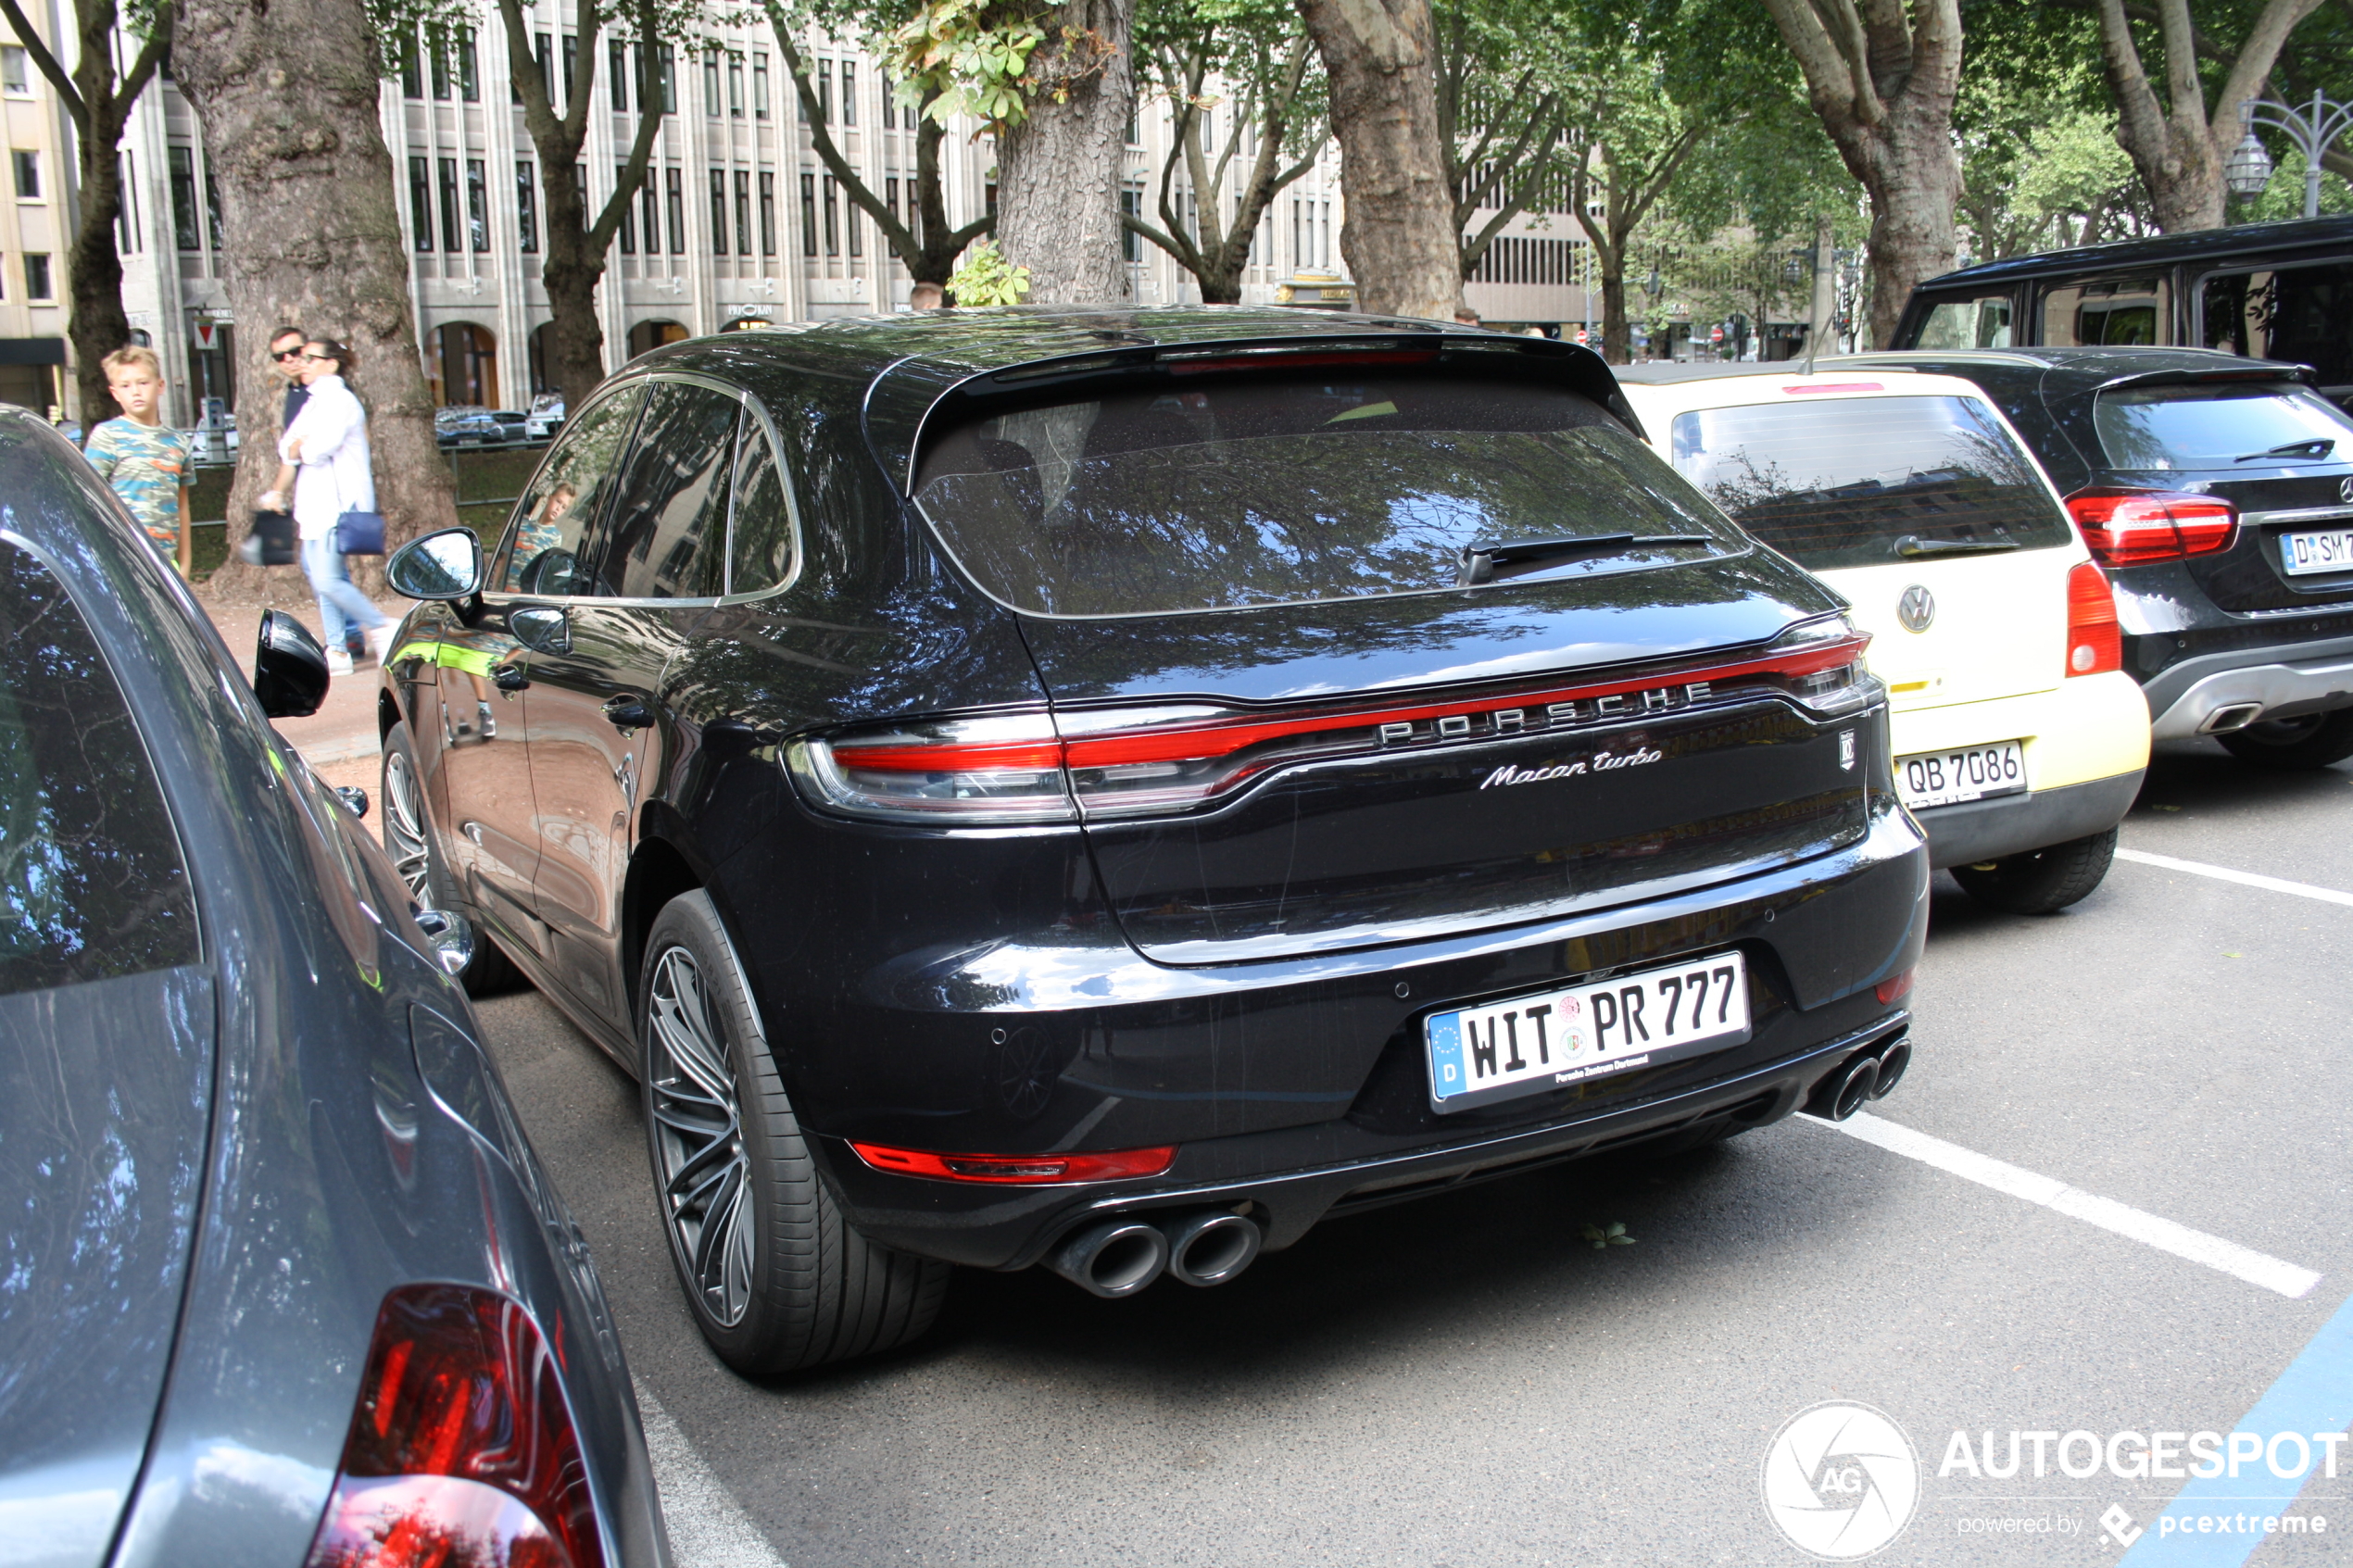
(2085, 728)
(2280, 681)
(1819, 934)
(1987, 830)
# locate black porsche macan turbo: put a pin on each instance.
(1109, 789)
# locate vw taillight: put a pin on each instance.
(462, 1452)
(2094, 644)
(1102, 764)
(2134, 527)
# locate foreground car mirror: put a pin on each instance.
(443, 565)
(289, 667)
(452, 938)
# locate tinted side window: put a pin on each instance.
(669, 528)
(552, 544)
(91, 883)
(1853, 482)
(2303, 315)
(2092, 312)
(763, 549)
(1982, 321)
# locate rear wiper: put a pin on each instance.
(2319, 446)
(1485, 562)
(1913, 544)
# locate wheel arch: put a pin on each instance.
(658, 872)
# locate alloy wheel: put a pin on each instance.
(405, 827)
(698, 1137)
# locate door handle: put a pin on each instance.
(510, 677)
(628, 713)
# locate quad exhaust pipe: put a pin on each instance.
(1871, 1073)
(1120, 1257)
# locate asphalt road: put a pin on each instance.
(1468, 1381)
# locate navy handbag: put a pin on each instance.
(360, 534)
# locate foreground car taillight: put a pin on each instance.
(1031, 1170)
(1109, 763)
(2134, 527)
(462, 1452)
(2095, 643)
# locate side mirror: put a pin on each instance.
(445, 565)
(289, 667)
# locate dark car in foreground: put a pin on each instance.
(2218, 494)
(1109, 790)
(281, 1281)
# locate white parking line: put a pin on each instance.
(708, 1528)
(2256, 1268)
(2224, 873)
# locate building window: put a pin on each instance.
(833, 217)
(675, 179)
(448, 171)
(759, 86)
(543, 50)
(437, 51)
(420, 203)
(890, 195)
(666, 71)
(767, 212)
(890, 107)
(127, 220)
(477, 206)
(469, 83)
(736, 84)
(527, 206)
(628, 213)
(36, 275)
(651, 199)
(825, 90)
(183, 199)
(15, 77)
(849, 96)
(743, 212)
(212, 211)
(808, 215)
(27, 168)
(617, 70)
(411, 81)
(711, 82)
(719, 212)
(1131, 201)
(571, 64)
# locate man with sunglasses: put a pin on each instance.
(286, 361)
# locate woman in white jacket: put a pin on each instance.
(325, 451)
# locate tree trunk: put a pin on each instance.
(575, 337)
(1617, 341)
(1399, 239)
(94, 319)
(287, 93)
(1883, 85)
(1058, 171)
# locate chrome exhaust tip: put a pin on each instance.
(1892, 1064)
(2231, 716)
(1842, 1094)
(1112, 1259)
(1211, 1248)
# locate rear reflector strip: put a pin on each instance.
(1019, 1169)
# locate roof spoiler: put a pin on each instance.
(2261, 369)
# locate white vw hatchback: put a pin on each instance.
(2020, 740)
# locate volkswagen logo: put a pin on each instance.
(1916, 609)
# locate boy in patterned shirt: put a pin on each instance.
(145, 460)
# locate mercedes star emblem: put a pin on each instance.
(2344, 488)
(1916, 608)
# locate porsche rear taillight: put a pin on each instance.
(2136, 527)
(1105, 764)
(462, 1452)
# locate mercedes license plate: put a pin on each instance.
(1968, 773)
(1532, 1044)
(2303, 555)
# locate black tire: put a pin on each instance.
(2040, 882)
(2314, 740)
(415, 851)
(776, 1279)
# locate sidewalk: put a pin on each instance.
(343, 730)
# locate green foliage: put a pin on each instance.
(984, 279)
(972, 54)
(1603, 1240)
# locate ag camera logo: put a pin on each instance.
(1840, 1481)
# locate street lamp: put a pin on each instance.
(2312, 131)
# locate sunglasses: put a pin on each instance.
(319, 359)
(287, 354)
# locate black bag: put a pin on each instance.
(271, 540)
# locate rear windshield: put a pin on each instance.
(2220, 427)
(1290, 490)
(1864, 481)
